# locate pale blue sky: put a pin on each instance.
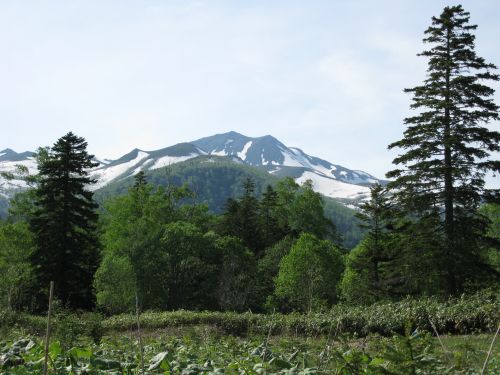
(325, 76)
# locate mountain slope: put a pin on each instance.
(138, 160)
(265, 153)
(13, 167)
(214, 179)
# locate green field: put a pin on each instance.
(203, 349)
(390, 338)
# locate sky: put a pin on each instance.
(324, 76)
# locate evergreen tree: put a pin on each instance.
(64, 224)
(140, 180)
(375, 216)
(270, 228)
(241, 218)
(446, 146)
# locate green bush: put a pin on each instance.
(466, 314)
(475, 313)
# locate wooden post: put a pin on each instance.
(47, 335)
(139, 332)
(483, 371)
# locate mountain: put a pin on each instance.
(267, 152)
(214, 168)
(138, 160)
(13, 166)
(264, 153)
(213, 179)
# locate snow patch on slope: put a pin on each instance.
(8, 187)
(290, 160)
(11, 166)
(165, 161)
(333, 188)
(299, 159)
(243, 154)
(107, 174)
(219, 153)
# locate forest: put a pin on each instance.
(271, 264)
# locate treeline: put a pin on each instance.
(276, 252)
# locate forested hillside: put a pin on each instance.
(212, 180)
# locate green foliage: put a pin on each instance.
(21, 206)
(236, 277)
(268, 269)
(357, 282)
(195, 354)
(447, 147)
(133, 228)
(344, 221)
(16, 245)
(304, 209)
(64, 224)
(241, 218)
(369, 266)
(491, 243)
(115, 284)
(190, 269)
(309, 274)
(467, 314)
(71, 329)
(213, 180)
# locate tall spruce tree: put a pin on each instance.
(241, 218)
(64, 224)
(446, 145)
(376, 216)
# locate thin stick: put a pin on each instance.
(439, 339)
(47, 335)
(489, 351)
(139, 332)
(268, 337)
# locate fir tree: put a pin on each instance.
(64, 224)
(446, 145)
(241, 218)
(270, 229)
(375, 216)
(140, 180)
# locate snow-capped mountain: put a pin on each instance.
(265, 152)
(138, 160)
(13, 166)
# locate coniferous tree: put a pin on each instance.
(446, 145)
(64, 224)
(140, 180)
(270, 229)
(241, 218)
(375, 216)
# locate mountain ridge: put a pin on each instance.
(264, 152)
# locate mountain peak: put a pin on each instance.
(9, 154)
(265, 153)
